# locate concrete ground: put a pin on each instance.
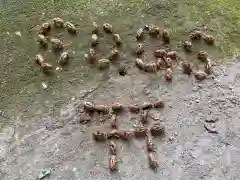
(188, 150)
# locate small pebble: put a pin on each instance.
(194, 89)
(58, 68)
(94, 40)
(74, 169)
(103, 63)
(44, 85)
(18, 33)
(230, 87)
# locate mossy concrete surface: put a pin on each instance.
(21, 89)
